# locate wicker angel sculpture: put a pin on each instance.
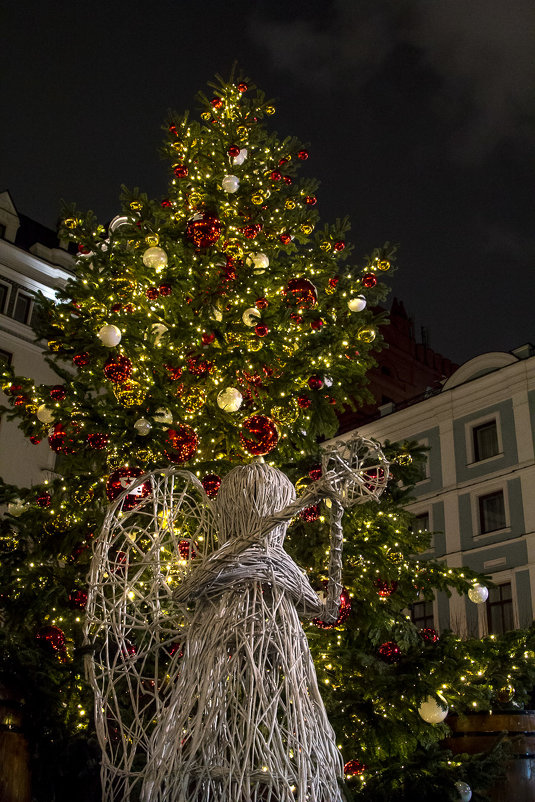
(221, 694)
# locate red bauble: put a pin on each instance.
(78, 599)
(203, 230)
(303, 401)
(182, 443)
(385, 588)
(216, 102)
(14, 389)
(295, 318)
(174, 373)
(81, 360)
(261, 330)
(315, 472)
(343, 612)
(152, 293)
(200, 366)
(369, 280)
(311, 200)
(333, 282)
(174, 647)
(354, 768)
(429, 635)
(165, 289)
(44, 500)
(207, 338)
(310, 513)
(302, 154)
(301, 292)
(287, 179)
(275, 175)
(54, 636)
(259, 435)
(35, 440)
(316, 324)
(166, 203)
(58, 392)
(59, 441)
(187, 549)
(285, 239)
(339, 246)
(389, 652)
(211, 483)
(117, 368)
(181, 171)
(315, 382)
(251, 232)
(123, 478)
(21, 400)
(98, 440)
(233, 151)
(242, 87)
(172, 129)
(261, 303)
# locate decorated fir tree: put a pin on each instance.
(218, 325)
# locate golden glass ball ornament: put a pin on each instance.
(71, 222)
(257, 199)
(193, 398)
(152, 240)
(366, 335)
(290, 204)
(307, 228)
(114, 460)
(233, 248)
(136, 206)
(235, 338)
(270, 110)
(254, 343)
(251, 316)
(286, 412)
(130, 394)
(82, 496)
(326, 246)
(123, 287)
(382, 264)
(155, 258)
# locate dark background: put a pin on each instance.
(419, 115)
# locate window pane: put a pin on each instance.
(422, 614)
(4, 290)
(485, 441)
(5, 357)
(500, 609)
(22, 308)
(491, 512)
(421, 522)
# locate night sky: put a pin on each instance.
(419, 116)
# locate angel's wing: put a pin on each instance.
(152, 535)
(357, 469)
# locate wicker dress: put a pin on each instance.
(245, 721)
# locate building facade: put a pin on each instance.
(32, 259)
(477, 493)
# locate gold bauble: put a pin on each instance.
(195, 199)
(395, 556)
(303, 484)
(71, 222)
(325, 245)
(193, 398)
(145, 455)
(241, 131)
(31, 409)
(136, 206)
(57, 525)
(382, 264)
(254, 343)
(234, 337)
(290, 348)
(152, 240)
(205, 115)
(403, 459)
(82, 497)
(505, 694)
(233, 248)
(290, 204)
(114, 460)
(366, 335)
(54, 346)
(257, 199)
(307, 228)
(129, 394)
(270, 110)
(123, 287)
(287, 412)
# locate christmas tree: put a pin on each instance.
(218, 325)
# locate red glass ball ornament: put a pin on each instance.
(303, 401)
(211, 483)
(295, 318)
(97, 440)
(287, 179)
(181, 443)
(369, 280)
(302, 154)
(315, 382)
(53, 636)
(385, 588)
(78, 599)
(181, 171)
(310, 513)
(216, 102)
(14, 389)
(207, 337)
(152, 293)
(165, 289)
(35, 440)
(330, 400)
(203, 230)
(58, 392)
(275, 175)
(200, 366)
(389, 652)
(172, 130)
(44, 500)
(242, 87)
(339, 246)
(116, 308)
(333, 282)
(343, 612)
(316, 324)
(252, 232)
(259, 435)
(20, 400)
(261, 330)
(233, 151)
(429, 635)
(311, 200)
(117, 368)
(166, 203)
(123, 478)
(261, 303)
(128, 308)
(174, 373)
(285, 239)
(315, 472)
(187, 549)
(83, 249)
(81, 360)
(354, 768)
(301, 292)
(59, 441)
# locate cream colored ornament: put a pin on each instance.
(155, 257)
(478, 594)
(157, 331)
(357, 304)
(16, 508)
(464, 791)
(230, 183)
(117, 222)
(259, 261)
(250, 316)
(163, 416)
(109, 335)
(216, 315)
(230, 399)
(431, 711)
(142, 426)
(240, 158)
(44, 414)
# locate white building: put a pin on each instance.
(31, 259)
(477, 494)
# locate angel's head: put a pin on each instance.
(247, 495)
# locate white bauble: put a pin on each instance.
(230, 399)
(117, 222)
(478, 594)
(357, 304)
(157, 331)
(45, 414)
(142, 426)
(240, 158)
(110, 335)
(259, 261)
(230, 183)
(155, 257)
(250, 316)
(215, 314)
(163, 415)
(464, 791)
(17, 507)
(431, 711)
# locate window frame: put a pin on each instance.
(24, 292)
(469, 433)
(501, 604)
(497, 492)
(3, 310)
(421, 623)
